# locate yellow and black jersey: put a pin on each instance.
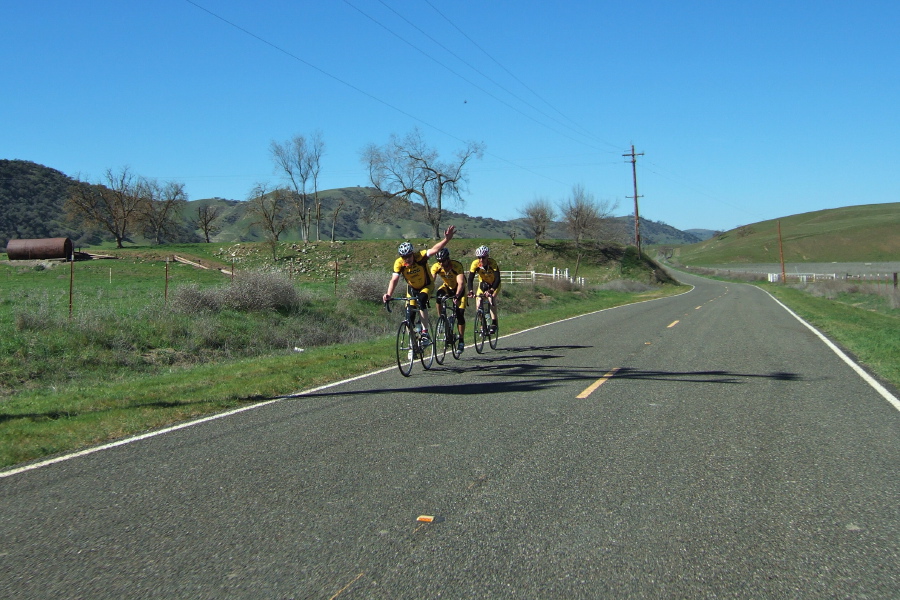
(417, 275)
(448, 275)
(489, 274)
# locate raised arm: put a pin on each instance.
(448, 235)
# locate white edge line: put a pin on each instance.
(144, 436)
(853, 365)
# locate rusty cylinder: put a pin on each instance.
(39, 249)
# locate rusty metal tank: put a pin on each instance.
(39, 249)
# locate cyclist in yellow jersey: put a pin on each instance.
(413, 266)
(454, 284)
(488, 272)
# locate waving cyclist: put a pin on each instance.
(453, 276)
(413, 266)
(488, 272)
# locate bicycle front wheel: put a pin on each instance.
(427, 352)
(480, 330)
(493, 337)
(442, 339)
(452, 338)
(405, 353)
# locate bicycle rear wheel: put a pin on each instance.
(405, 354)
(442, 339)
(480, 329)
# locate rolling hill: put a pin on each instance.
(865, 233)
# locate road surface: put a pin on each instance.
(703, 446)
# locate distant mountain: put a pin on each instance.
(32, 199)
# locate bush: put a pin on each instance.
(366, 285)
(260, 290)
(190, 299)
(252, 291)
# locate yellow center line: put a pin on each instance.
(591, 388)
(672, 324)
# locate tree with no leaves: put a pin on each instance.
(538, 215)
(583, 215)
(271, 211)
(207, 220)
(315, 150)
(408, 168)
(114, 206)
(160, 211)
(292, 159)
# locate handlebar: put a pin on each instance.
(387, 304)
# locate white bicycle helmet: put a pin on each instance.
(405, 248)
(482, 251)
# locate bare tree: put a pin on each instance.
(291, 158)
(334, 216)
(160, 210)
(583, 215)
(315, 150)
(410, 169)
(114, 206)
(538, 215)
(207, 220)
(270, 209)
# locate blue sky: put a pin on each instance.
(744, 111)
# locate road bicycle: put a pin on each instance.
(483, 324)
(409, 340)
(446, 334)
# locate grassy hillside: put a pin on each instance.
(867, 233)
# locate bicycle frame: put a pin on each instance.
(409, 342)
(446, 332)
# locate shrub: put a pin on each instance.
(252, 291)
(261, 290)
(366, 285)
(191, 299)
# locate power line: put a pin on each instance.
(355, 88)
(472, 83)
(489, 78)
(522, 83)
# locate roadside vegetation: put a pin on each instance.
(148, 343)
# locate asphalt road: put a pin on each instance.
(727, 452)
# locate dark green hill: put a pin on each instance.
(32, 198)
(31, 202)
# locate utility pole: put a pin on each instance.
(637, 217)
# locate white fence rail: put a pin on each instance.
(532, 276)
(887, 278)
